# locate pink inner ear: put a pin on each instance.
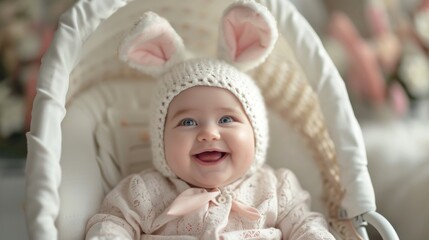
(247, 34)
(155, 51)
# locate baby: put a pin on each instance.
(209, 136)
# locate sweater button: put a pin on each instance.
(221, 199)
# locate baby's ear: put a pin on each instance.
(152, 46)
(248, 33)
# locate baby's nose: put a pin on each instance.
(208, 133)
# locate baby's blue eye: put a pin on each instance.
(188, 122)
(226, 119)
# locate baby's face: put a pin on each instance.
(208, 138)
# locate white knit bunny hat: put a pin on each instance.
(248, 33)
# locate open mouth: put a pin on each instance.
(210, 157)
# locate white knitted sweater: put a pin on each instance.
(135, 210)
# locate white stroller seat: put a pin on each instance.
(97, 145)
(78, 147)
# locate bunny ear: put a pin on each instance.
(248, 33)
(152, 46)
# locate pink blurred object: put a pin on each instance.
(424, 4)
(399, 99)
(378, 18)
(364, 75)
(386, 44)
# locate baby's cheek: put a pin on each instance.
(246, 137)
(244, 144)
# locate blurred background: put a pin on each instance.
(26, 29)
(380, 47)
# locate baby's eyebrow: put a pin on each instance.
(229, 110)
(182, 111)
(236, 110)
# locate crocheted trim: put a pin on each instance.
(208, 72)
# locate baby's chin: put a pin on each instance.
(210, 186)
(212, 179)
(206, 186)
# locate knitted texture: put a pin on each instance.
(136, 209)
(214, 73)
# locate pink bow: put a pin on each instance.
(195, 198)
